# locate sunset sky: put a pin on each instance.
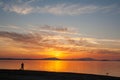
(60, 28)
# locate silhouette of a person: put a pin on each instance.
(22, 66)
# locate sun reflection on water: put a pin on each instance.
(54, 66)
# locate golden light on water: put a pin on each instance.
(53, 66)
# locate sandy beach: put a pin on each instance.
(43, 75)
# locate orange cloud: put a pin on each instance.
(39, 42)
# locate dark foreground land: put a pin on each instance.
(42, 75)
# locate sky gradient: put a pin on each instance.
(60, 28)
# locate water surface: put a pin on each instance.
(90, 67)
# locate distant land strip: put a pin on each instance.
(77, 59)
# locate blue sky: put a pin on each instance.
(100, 19)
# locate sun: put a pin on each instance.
(55, 53)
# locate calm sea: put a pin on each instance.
(90, 67)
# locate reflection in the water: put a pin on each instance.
(53, 66)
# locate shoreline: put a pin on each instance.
(8, 74)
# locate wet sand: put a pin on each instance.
(44, 75)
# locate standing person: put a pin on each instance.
(22, 66)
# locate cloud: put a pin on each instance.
(18, 7)
(108, 52)
(40, 38)
(59, 29)
(44, 40)
(29, 6)
(65, 9)
(26, 38)
(105, 51)
(58, 35)
(75, 9)
(108, 40)
(55, 35)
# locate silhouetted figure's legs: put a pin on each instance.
(107, 74)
